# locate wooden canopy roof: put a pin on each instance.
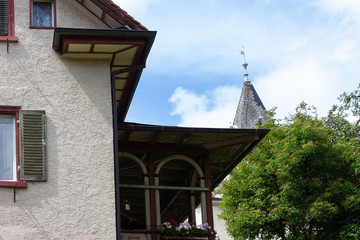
(226, 146)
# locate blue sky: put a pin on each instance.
(297, 50)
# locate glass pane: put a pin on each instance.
(7, 149)
(3, 18)
(42, 14)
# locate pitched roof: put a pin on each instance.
(250, 110)
(111, 14)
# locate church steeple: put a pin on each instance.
(250, 110)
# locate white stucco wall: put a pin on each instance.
(77, 201)
(219, 224)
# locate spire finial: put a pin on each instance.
(246, 79)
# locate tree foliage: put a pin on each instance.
(337, 117)
(301, 182)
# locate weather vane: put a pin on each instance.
(245, 65)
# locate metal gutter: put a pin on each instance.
(145, 127)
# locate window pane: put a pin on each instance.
(42, 14)
(3, 17)
(7, 149)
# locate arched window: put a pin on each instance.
(134, 194)
(180, 181)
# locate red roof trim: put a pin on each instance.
(113, 10)
(121, 15)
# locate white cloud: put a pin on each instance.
(188, 102)
(346, 52)
(216, 108)
(349, 9)
(303, 79)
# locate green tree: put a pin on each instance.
(337, 118)
(299, 183)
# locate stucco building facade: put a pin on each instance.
(77, 201)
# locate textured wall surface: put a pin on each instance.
(77, 201)
(219, 224)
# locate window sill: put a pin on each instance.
(8, 38)
(20, 184)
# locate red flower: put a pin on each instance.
(192, 224)
(172, 221)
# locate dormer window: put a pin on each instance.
(7, 24)
(43, 14)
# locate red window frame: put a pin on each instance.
(11, 27)
(54, 14)
(13, 110)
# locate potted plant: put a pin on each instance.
(185, 230)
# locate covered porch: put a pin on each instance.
(166, 172)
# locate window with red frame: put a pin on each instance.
(7, 148)
(22, 146)
(7, 24)
(43, 14)
(4, 17)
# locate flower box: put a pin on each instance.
(173, 231)
(189, 237)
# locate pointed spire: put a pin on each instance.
(250, 110)
(246, 79)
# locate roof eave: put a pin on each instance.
(149, 127)
(104, 9)
(147, 36)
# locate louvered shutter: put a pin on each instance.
(32, 145)
(4, 17)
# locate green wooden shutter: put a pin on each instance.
(32, 146)
(4, 17)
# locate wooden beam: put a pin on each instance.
(165, 187)
(152, 195)
(183, 139)
(209, 212)
(83, 4)
(126, 137)
(154, 138)
(164, 148)
(231, 142)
